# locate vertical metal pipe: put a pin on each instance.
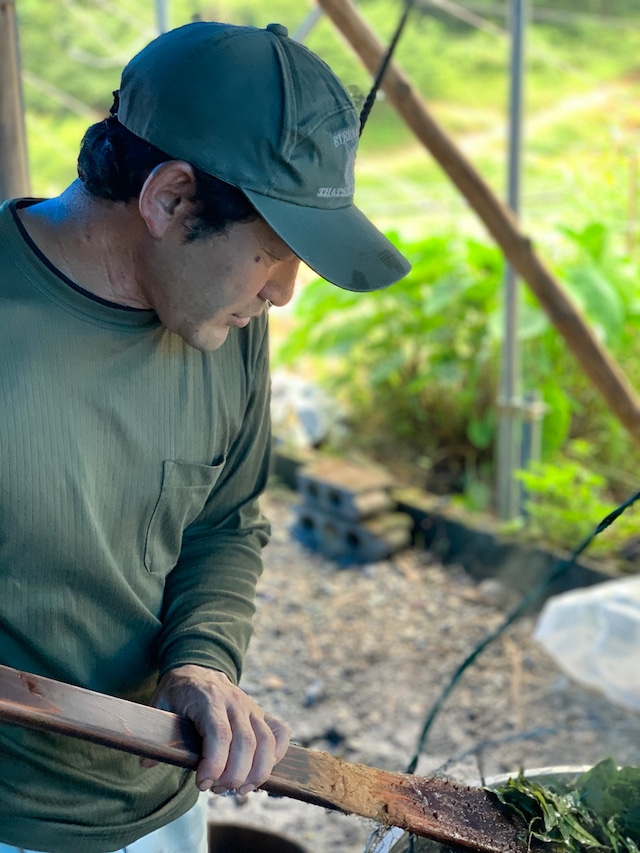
(308, 24)
(509, 403)
(162, 15)
(14, 169)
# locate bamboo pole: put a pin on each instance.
(595, 360)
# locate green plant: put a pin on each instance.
(600, 810)
(415, 363)
(566, 498)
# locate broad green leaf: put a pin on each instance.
(481, 430)
(557, 418)
(592, 239)
(575, 815)
(598, 298)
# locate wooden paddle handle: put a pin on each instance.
(434, 808)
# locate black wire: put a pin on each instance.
(528, 599)
(371, 97)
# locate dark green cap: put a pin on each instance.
(262, 112)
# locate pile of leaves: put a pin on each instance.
(599, 810)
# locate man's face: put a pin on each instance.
(202, 288)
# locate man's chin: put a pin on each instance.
(205, 339)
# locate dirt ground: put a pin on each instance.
(355, 658)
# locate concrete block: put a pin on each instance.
(352, 541)
(287, 461)
(348, 489)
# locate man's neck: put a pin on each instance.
(91, 241)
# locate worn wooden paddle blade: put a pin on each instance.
(439, 809)
(433, 808)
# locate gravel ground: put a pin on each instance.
(354, 658)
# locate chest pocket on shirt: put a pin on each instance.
(185, 489)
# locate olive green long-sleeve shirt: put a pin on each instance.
(130, 533)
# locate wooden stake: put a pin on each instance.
(593, 357)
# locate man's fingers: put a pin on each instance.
(241, 743)
(282, 734)
(251, 756)
(240, 756)
(216, 745)
(264, 757)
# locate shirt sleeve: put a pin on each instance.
(209, 597)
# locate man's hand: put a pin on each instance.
(241, 743)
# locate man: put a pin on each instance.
(134, 429)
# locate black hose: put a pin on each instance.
(371, 97)
(556, 570)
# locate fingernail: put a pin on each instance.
(219, 789)
(205, 784)
(246, 789)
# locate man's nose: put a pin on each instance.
(279, 289)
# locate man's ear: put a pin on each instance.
(164, 200)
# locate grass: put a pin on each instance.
(53, 144)
(577, 164)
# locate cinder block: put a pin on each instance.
(348, 489)
(286, 462)
(348, 540)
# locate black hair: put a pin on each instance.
(114, 163)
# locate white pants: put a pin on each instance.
(187, 834)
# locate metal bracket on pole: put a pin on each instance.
(533, 412)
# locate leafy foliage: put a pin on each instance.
(417, 361)
(418, 366)
(600, 810)
(566, 497)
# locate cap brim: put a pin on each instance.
(341, 245)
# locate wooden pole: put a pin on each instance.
(593, 357)
(14, 171)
